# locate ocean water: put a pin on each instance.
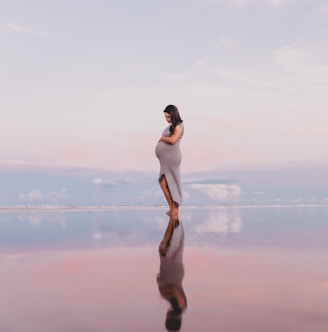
(220, 269)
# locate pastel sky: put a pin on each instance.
(84, 83)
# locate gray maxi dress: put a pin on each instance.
(169, 156)
(171, 269)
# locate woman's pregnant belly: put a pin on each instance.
(168, 153)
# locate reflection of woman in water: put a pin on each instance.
(171, 273)
(169, 155)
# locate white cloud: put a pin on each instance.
(37, 196)
(243, 3)
(20, 29)
(34, 195)
(294, 67)
(202, 62)
(36, 218)
(226, 44)
(276, 3)
(239, 75)
(220, 192)
(228, 2)
(310, 130)
(98, 181)
(220, 222)
(33, 219)
(305, 61)
(109, 182)
(291, 58)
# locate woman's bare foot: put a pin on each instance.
(174, 213)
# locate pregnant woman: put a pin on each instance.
(169, 155)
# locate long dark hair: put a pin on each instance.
(175, 116)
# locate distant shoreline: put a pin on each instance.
(54, 208)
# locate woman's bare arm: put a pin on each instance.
(174, 137)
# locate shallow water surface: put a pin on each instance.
(221, 269)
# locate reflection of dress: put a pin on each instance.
(169, 156)
(171, 269)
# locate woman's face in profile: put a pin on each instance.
(167, 117)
